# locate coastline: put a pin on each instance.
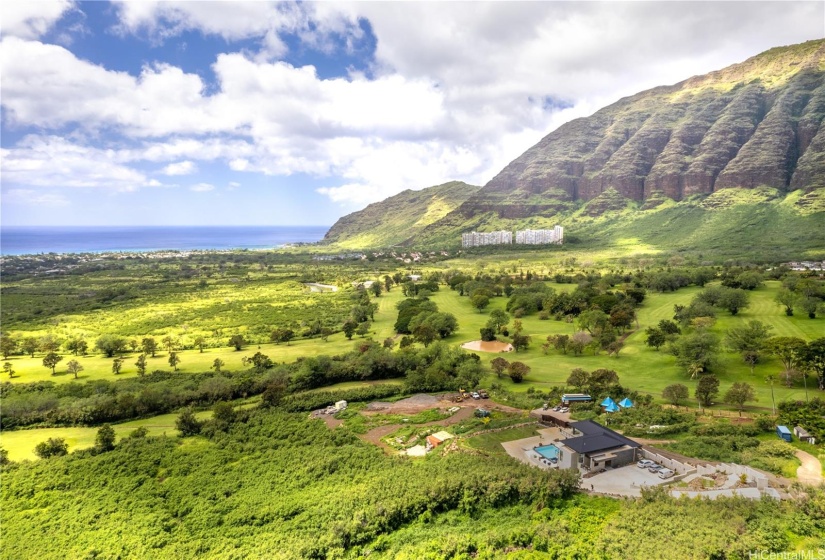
(29, 241)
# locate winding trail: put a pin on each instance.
(810, 471)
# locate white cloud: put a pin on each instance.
(457, 98)
(30, 197)
(202, 187)
(180, 168)
(52, 161)
(233, 185)
(32, 18)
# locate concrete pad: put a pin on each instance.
(624, 481)
(417, 451)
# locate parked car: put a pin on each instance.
(665, 473)
(564, 409)
(484, 394)
(476, 396)
(556, 408)
(654, 468)
(645, 464)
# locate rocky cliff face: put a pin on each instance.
(754, 124)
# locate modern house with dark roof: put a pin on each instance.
(594, 447)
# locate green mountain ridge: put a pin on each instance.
(731, 162)
(397, 219)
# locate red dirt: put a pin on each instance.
(375, 435)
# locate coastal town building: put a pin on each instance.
(478, 239)
(522, 237)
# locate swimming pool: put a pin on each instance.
(548, 451)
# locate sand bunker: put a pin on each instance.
(488, 346)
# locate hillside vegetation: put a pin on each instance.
(396, 219)
(730, 163)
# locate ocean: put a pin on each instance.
(79, 239)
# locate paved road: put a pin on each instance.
(810, 471)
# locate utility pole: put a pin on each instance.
(770, 379)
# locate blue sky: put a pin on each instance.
(283, 113)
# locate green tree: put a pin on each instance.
(110, 345)
(149, 345)
(579, 379)
(169, 343)
(389, 343)
(363, 329)
(810, 305)
(349, 328)
(77, 346)
(29, 345)
(260, 362)
(480, 301)
(560, 342)
(217, 365)
(696, 352)
(518, 371)
(274, 393)
(788, 299)
(117, 365)
(733, 300)
(48, 343)
(594, 321)
(105, 439)
(52, 447)
(602, 380)
(706, 390)
(655, 337)
(237, 340)
(4, 457)
(498, 319)
(224, 415)
(787, 349)
(141, 365)
(200, 342)
(675, 393)
(738, 395)
(669, 327)
(748, 340)
(51, 360)
(187, 424)
(375, 288)
(812, 358)
(74, 367)
(499, 365)
(7, 368)
(520, 341)
(174, 360)
(8, 345)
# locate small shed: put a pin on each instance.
(784, 433)
(437, 439)
(567, 398)
(341, 405)
(803, 435)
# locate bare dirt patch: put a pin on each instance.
(410, 405)
(488, 346)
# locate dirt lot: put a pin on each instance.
(420, 403)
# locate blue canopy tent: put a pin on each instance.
(611, 408)
(626, 403)
(608, 402)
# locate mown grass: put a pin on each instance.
(491, 442)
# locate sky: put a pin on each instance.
(284, 113)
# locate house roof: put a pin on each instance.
(596, 438)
